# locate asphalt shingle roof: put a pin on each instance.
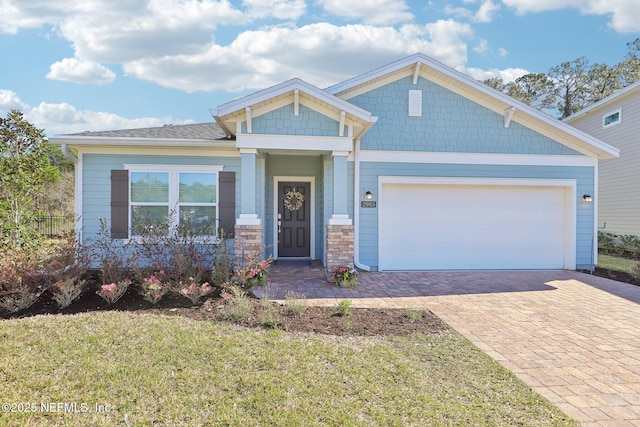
(203, 131)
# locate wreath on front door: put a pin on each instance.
(293, 200)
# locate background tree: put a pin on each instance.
(25, 166)
(535, 89)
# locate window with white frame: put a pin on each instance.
(179, 196)
(612, 118)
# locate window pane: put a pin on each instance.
(150, 219)
(198, 187)
(150, 187)
(199, 220)
(612, 118)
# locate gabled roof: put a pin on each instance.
(633, 89)
(462, 84)
(266, 99)
(204, 135)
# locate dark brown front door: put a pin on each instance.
(293, 225)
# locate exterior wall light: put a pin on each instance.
(368, 195)
(587, 198)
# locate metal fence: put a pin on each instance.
(54, 226)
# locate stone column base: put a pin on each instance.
(247, 243)
(339, 247)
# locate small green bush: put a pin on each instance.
(295, 303)
(343, 308)
(237, 305)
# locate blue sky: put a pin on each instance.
(76, 65)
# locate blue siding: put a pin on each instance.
(369, 173)
(96, 176)
(294, 166)
(449, 123)
(283, 122)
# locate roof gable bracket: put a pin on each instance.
(508, 115)
(416, 72)
(296, 102)
(247, 112)
(343, 116)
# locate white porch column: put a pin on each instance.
(340, 215)
(248, 213)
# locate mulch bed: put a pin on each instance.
(321, 320)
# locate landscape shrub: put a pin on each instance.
(112, 292)
(295, 303)
(237, 304)
(625, 245)
(154, 287)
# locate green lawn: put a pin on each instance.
(616, 263)
(157, 370)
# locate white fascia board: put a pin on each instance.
(294, 142)
(379, 156)
(590, 145)
(107, 141)
(290, 86)
(159, 151)
(518, 182)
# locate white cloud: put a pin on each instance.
(258, 59)
(279, 9)
(64, 118)
(507, 75)
(9, 100)
(372, 12)
(78, 71)
(503, 52)
(624, 13)
(482, 47)
(485, 13)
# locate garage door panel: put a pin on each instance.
(426, 227)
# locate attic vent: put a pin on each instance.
(415, 103)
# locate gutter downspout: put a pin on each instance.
(67, 154)
(356, 210)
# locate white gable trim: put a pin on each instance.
(475, 91)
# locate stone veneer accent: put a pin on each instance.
(340, 241)
(248, 241)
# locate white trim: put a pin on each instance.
(290, 86)
(474, 158)
(249, 219)
(79, 199)
(312, 210)
(75, 141)
(518, 182)
(611, 113)
(570, 207)
(356, 211)
(161, 151)
(486, 96)
(294, 142)
(174, 185)
(172, 168)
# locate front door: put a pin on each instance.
(293, 219)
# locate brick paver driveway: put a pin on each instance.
(574, 338)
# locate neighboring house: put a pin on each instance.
(411, 166)
(616, 120)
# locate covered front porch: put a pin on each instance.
(295, 206)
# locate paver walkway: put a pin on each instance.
(572, 337)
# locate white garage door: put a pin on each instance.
(432, 227)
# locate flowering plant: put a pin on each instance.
(293, 200)
(66, 291)
(112, 292)
(344, 275)
(257, 273)
(194, 291)
(154, 287)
